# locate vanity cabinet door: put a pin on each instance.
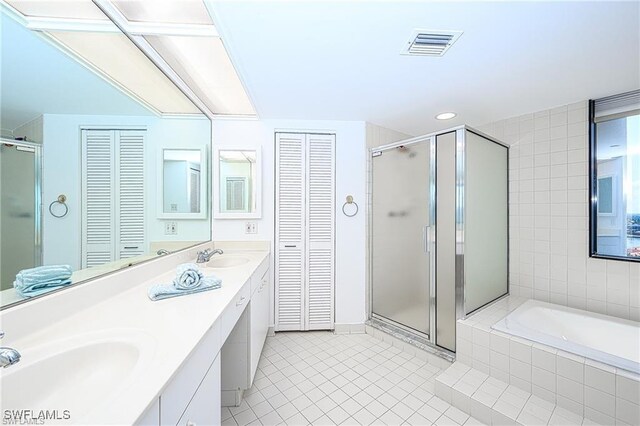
(204, 407)
(259, 322)
(181, 389)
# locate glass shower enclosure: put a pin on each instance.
(438, 233)
(20, 204)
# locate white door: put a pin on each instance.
(305, 205)
(290, 231)
(130, 223)
(98, 197)
(113, 224)
(320, 234)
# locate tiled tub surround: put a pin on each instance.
(581, 386)
(548, 216)
(603, 338)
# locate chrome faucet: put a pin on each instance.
(163, 252)
(206, 255)
(8, 356)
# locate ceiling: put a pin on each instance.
(38, 78)
(341, 60)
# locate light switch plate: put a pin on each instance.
(250, 228)
(170, 228)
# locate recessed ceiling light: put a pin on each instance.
(446, 116)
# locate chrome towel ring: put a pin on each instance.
(350, 202)
(62, 201)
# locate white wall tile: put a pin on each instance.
(548, 190)
(600, 401)
(598, 378)
(570, 389)
(627, 411)
(628, 386)
(544, 358)
(570, 366)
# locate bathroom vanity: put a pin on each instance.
(235, 340)
(172, 361)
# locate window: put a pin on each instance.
(615, 176)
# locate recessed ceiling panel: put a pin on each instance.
(38, 78)
(70, 9)
(164, 11)
(118, 58)
(203, 63)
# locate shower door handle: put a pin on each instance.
(426, 238)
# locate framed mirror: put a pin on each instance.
(183, 184)
(237, 183)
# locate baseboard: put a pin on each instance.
(271, 332)
(349, 328)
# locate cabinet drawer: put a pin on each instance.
(234, 310)
(258, 274)
(183, 386)
(204, 408)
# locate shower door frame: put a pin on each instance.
(408, 334)
(428, 242)
(37, 153)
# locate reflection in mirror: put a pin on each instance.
(616, 177)
(183, 182)
(81, 138)
(237, 186)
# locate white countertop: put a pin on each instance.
(167, 330)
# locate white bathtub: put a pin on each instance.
(603, 338)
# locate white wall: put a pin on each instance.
(549, 253)
(350, 180)
(61, 175)
(32, 130)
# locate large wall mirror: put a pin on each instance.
(615, 177)
(84, 118)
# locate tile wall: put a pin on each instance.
(548, 174)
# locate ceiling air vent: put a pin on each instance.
(430, 43)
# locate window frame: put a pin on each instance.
(593, 194)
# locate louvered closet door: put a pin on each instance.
(130, 211)
(320, 232)
(98, 194)
(290, 234)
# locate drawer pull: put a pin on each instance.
(190, 423)
(289, 246)
(239, 302)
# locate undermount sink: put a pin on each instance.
(227, 261)
(75, 375)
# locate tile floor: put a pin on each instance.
(324, 379)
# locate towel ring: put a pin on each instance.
(350, 201)
(60, 200)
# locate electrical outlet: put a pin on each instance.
(170, 228)
(250, 228)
